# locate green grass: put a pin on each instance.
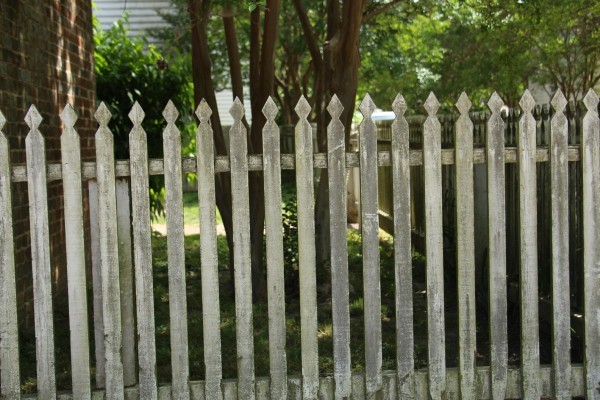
(261, 342)
(190, 211)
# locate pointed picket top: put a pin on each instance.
(302, 108)
(203, 111)
(237, 110)
(103, 114)
(559, 101)
(527, 102)
(270, 109)
(335, 107)
(2, 120)
(33, 119)
(137, 115)
(68, 116)
(367, 106)
(463, 104)
(591, 100)
(495, 103)
(432, 105)
(170, 113)
(399, 105)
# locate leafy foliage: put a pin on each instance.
(129, 70)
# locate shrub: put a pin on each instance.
(128, 70)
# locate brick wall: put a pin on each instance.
(46, 59)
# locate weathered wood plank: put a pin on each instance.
(76, 274)
(327, 385)
(559, 186)
(40, 255)
(402, 252)
(275, 264)
(530, 357)
(340, 307)
(370, 248)
(19, 172)
(10, 382)
(126, 282)
(591, 237)
(241, 240)
(96, 285)
(176, 256)
(208, 253)
(434, 249)
(142, 252)
(465, 248)
(107, 211)
(307, 252)
(497, 250)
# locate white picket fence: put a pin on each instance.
(560, 380)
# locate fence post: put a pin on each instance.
(208, 252)
(306, 251)
(340, 308)
(9, 335)
(275, 262)
(370, 248)
(40, 255)
(559, 190)
(78, 313)
(175, 250)
(465, 248)
(403, 252)
(432, 166)
(109, 256)
(528, 283)
(497, 250)
(590, 160)
(241, 234)
(142, 249)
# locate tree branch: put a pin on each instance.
(369, 15)
(309, 36)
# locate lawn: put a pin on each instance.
(190, 211)
(261, 342)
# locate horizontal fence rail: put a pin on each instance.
(126, 358)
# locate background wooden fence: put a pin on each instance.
(530, 380)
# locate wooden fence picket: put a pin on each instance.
(76, 275)
(111, 292)
(10, 382)
(340, 308)
(208, 253)
(559, 187)
(432, 165)
(138, 153)
(307, 252)
(40, 255)
(497, 250)
(176, 256)
(238, 155)
(275, 263)
(530, 360)
(590, 160)
(465, 248)
(370, 248)
(405, 362)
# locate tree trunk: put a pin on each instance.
(204, 89)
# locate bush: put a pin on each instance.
(129, 70)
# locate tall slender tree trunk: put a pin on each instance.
(204, 89)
